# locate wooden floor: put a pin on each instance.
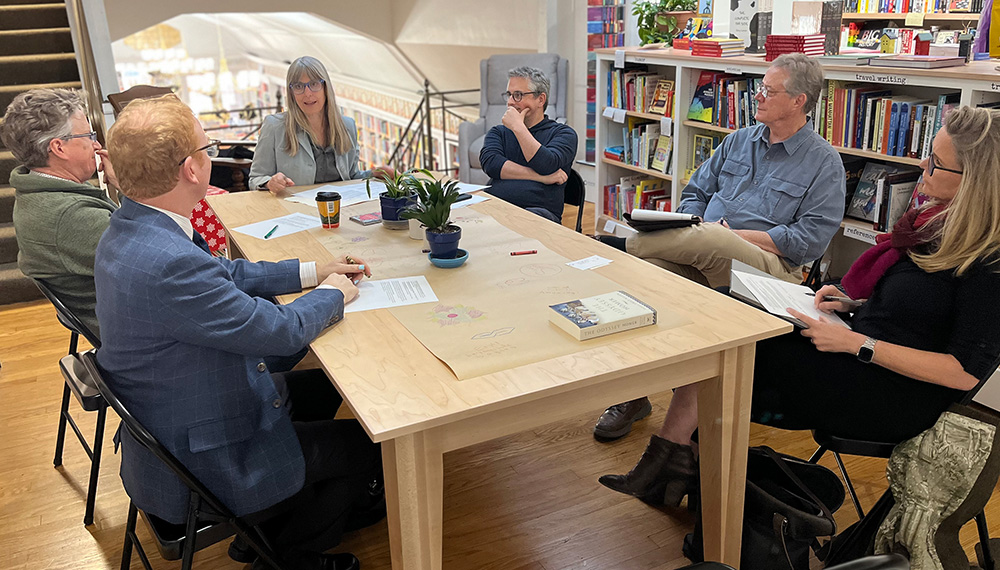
(530, 501)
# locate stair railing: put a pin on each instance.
(421, 128)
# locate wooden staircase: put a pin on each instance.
(37, 50)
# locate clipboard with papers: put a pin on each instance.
(767, 292)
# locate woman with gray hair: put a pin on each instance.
(311, 143)
(58, 216)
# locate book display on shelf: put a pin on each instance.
(609, 17)
(716, 47)
(917, 61)
(777, 44)
(866, 201)
(663, 99)
(662, 154)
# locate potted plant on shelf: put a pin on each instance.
(400, 192)
(433, 211)
(661, 20)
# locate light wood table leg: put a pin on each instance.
(414, 493)
(723, 434)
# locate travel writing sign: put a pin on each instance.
(873, 78)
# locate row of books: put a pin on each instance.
(725, 100)
(605, 27)
(636, 191)
(596, 41)
(880, 193)
(640, 90)
(870, 117)
(780, 44)
(907, 6)
(605, 13)
(717, 47)
(645, 146)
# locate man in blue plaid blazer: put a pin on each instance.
(184, 338)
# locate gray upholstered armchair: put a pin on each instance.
(493, 79)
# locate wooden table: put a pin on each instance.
(412, 404)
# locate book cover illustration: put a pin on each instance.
(703, 101)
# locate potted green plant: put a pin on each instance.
(433, 211)
(661, 20)
(400, 192)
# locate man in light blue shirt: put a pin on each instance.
(771, 196)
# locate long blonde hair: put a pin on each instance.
(971, 228)
(336, 131)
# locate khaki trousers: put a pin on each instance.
(703, 253)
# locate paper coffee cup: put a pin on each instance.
(329, 209)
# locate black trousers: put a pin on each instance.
(340, 460)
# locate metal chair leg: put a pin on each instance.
(133, 512)
(817, 454)
(95, 465)
(61, 434)
(850, 486)
(984, 541)
(190, 532)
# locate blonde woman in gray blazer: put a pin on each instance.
(311, 143)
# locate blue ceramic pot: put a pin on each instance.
(444, 245)
(392, 206)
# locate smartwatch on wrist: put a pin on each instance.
(867, 351)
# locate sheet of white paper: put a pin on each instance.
(641, 215)
(777, 295)
(619, 116)
(290, 224)
(387, 293)
(609, 112)
(592, 262)
(667, 126)
(470, 201)
(466, 187)
(349, 193)
(619, 58)
(609, 226)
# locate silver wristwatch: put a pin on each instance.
(867, 351)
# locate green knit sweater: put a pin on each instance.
(58, 224)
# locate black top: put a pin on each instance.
(937, 312)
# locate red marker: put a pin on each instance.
(525, 252)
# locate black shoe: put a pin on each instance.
(617, 420)
(314, 561)
(240, 551)
(614, 241)
(370, 510)
(666, 472)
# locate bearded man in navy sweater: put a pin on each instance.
(529, 156)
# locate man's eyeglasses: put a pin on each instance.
(91, 135)
(299, 88)
(933, 165)
(765, 92)
(517, 95)
(211, 149)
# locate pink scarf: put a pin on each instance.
(909, 231)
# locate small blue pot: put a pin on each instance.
(392, 206)
(444, 245)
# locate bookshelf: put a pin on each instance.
(978, 83)
(605, 28)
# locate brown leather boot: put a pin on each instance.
(666, 472)
(617, 420)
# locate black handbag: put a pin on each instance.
(789, 503)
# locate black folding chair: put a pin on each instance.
(208, 521)
(576, 193)
(78, 382)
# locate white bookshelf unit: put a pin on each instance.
(978, 82)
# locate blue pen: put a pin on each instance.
(268, 234)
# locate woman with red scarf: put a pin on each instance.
(927, 331)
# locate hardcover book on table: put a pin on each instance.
(601, 315)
